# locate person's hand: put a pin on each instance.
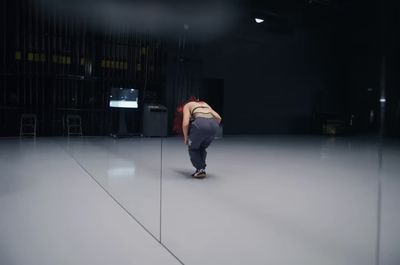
(186, 141)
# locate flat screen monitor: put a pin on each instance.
(124, 98)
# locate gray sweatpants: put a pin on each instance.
(202, 133)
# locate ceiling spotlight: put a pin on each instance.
(259, 20)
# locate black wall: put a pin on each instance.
(277, 77)
(307, 61)
(390, 48)
(315, 61)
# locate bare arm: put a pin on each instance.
(215, 114)
(185, 123)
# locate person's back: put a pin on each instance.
(199, 109)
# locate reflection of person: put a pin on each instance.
(199, 126)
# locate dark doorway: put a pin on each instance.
(212, 91)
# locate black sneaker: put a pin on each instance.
(200, 173)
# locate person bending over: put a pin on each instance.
(199, 127)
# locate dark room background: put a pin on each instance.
(310, 61)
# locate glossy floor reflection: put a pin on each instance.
(390, 254)
(266, 200)
(128, 168)
(53, 212)
(273, 200)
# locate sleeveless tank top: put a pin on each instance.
(201, 113)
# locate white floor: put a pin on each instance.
(267, 200)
